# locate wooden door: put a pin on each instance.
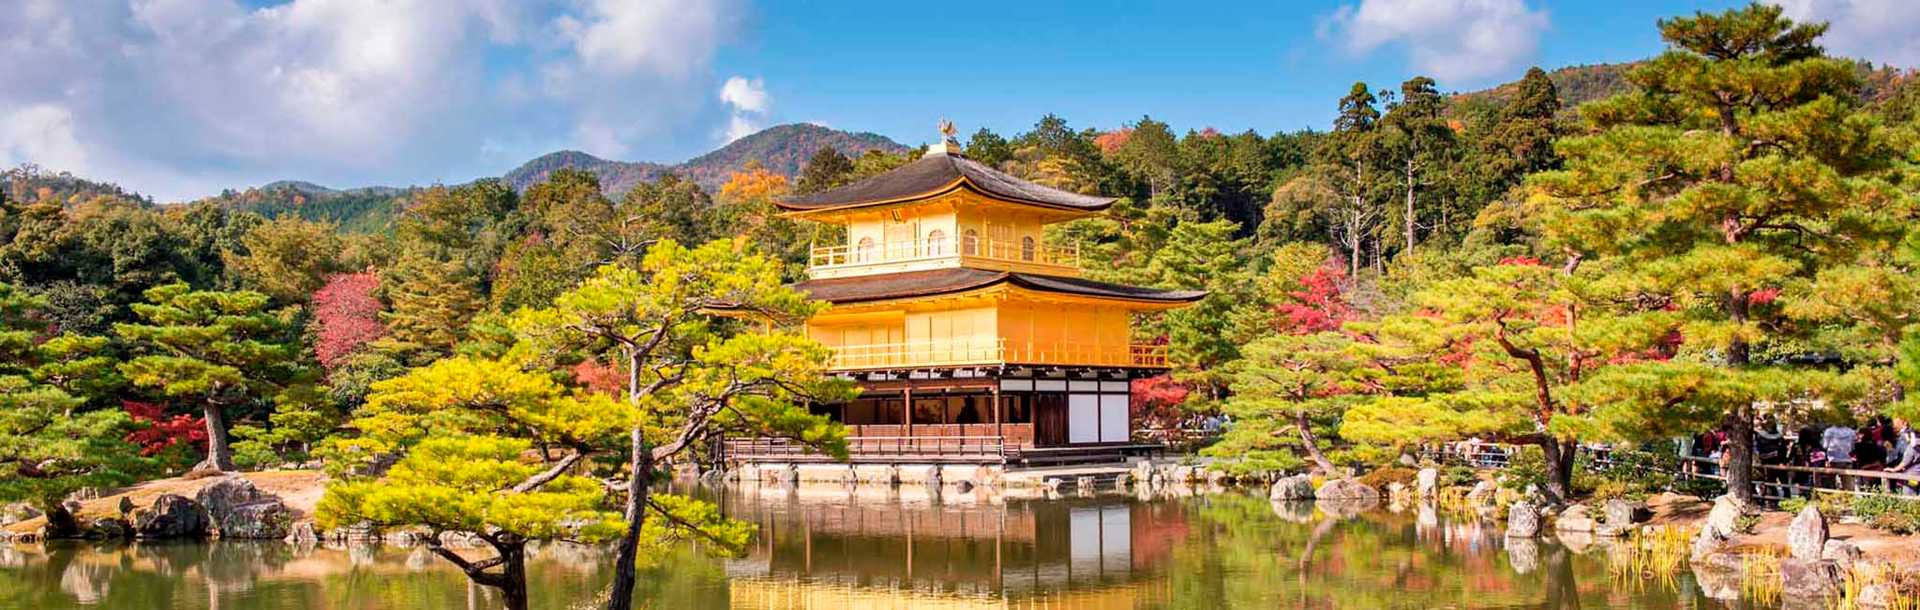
(1049, 420)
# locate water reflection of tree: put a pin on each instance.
(1247, 552)
(251, 575)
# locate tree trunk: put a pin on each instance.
(1311, 445)
(513, 587)
(1739, 453)
(1409, 219)
(1739, 422)
(219, 455)
(639, 486)
(1559, 462)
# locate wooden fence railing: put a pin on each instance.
(1771, 481)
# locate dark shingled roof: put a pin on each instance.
(947, 281)
(930, 173)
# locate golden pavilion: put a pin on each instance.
(972, 338)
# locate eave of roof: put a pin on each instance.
(913, 284)
(936, 174)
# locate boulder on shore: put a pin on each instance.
(61, 523)
(170, 517)
(1721, 525)
(237, 509)
(1807, 535)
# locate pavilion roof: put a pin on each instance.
(935, 173)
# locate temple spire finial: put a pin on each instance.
(949, 144)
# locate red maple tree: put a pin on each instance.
(1320, 303)
(347, 315)
(162, 431)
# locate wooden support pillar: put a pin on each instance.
(907, 393)
(999, 416)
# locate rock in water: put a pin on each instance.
(1523, 520)
(1296, 487)
(1345, 489)
(1809, 579)
(1807, 536)
(1427, 483)
(263, 520)
(107, 529)
(170, 517)
(1574, 519)
(303, 533)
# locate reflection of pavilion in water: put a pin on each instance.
(891, 546)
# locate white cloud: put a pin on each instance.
(665, 37)
(1451, 40)
(1882, 31)
(178, 98)
(42, 134)
(749, 95)
(749, 102)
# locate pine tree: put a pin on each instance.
(219, 350)
(1418, 143)
(51, 441)
(826, 169)
(1740, 167)
(689, 372)
(1347, 162)
(466, 428)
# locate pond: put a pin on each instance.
(908, 548)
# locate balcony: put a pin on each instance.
(962, 352)
(912, 255)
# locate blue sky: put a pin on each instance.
(181, 98)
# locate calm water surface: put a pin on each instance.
(834, 548)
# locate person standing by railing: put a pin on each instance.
(1906, 453)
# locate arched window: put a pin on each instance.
(970, 242)
(864, 251)
(1026, 248)
(936, 242)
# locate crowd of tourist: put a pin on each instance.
(1880, 443)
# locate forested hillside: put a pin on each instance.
(782, 149)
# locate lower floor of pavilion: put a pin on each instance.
(978, 415)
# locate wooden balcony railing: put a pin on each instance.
(871, 446)
(954, 352)
(1030, 252)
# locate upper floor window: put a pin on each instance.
(864, 251)
(936, 242)
(1026, 248)
(970, 242)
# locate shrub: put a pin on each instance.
(1381, 477)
